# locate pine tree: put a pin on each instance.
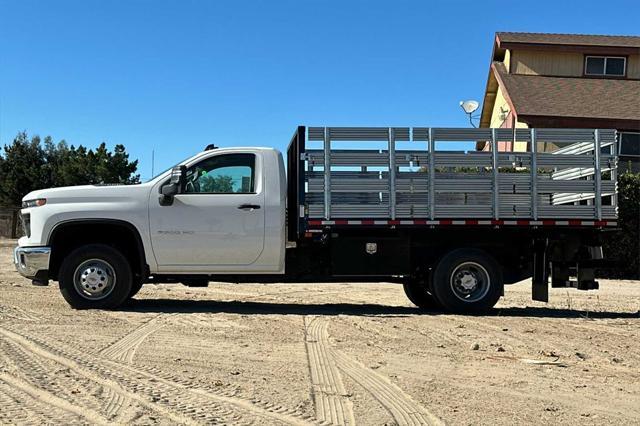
(23, 169)
(33, 164)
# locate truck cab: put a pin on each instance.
(225, 217)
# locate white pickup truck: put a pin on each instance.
(452, 226)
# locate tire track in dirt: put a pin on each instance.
(13, 312)
(20, 408)
(115, 402)
(331, 403)
(124, 350)
(401, 406)
(45, 375)
(181, 403)
(52, 400)
(85, 366)
(10, 351)
(204, 321)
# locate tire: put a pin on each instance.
(135, 288)
(418, 293)
(467, 280)
(95, 276)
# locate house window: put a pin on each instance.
(629, 145)
(605, 65)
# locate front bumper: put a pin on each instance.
(32, 262)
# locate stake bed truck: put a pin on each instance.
(391, 204)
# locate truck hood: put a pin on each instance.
(89, 193)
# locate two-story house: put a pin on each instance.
(565, 80)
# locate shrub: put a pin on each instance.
(623, 246)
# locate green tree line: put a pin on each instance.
(33, 163)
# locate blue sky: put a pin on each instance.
(175, 76)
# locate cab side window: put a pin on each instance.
(222, 174)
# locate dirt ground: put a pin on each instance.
(309, 354)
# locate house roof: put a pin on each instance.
(564, 101)
(569, 39)
(533, 95)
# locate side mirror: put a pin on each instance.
(175, 186)
(170, 189)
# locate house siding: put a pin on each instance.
(633, 66)
(507, 60)
(560, 64)
(531, 62)
(500, 104)
(505, 119)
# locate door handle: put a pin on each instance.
(248, 206)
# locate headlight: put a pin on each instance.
(34, 203)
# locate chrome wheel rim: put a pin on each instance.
(94, 279)
(470, 282)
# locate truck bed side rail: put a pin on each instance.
(447, 175)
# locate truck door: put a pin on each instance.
(217, 222)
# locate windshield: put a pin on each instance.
(167, 169)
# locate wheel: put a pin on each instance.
(95, 276)
(467, 280)
(417, 292)
(196, 282)
(135, 288)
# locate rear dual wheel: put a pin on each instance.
(418, 292)
(467, 280)
(464, 280)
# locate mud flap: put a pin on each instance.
(587, 278)
(41, 279)
(560, 275)
(540, 281)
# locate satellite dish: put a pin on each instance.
(469, 106)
